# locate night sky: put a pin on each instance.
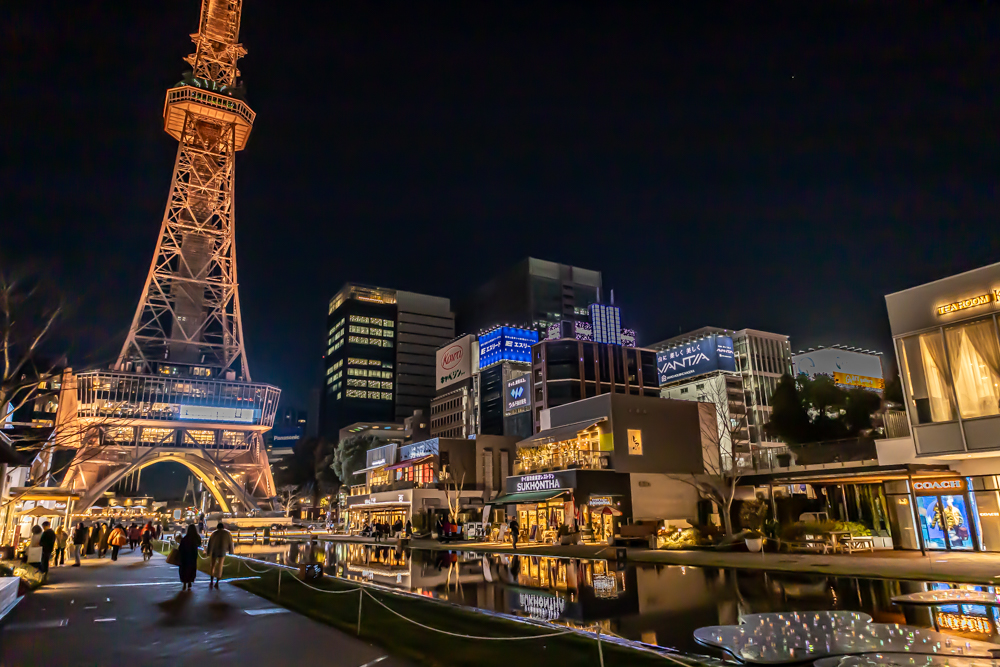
(780, 170)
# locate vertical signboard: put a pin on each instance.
(454, 362)
(517, 395)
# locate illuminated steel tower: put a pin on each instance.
(181, 388)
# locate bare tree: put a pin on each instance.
(453, 495)
(28, 312)
(288, 494)
(723, 429)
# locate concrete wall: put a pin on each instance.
(661, 497)
(672, 433)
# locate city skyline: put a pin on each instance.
(616, 144)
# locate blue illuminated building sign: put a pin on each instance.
(714, 353)
(506, 344)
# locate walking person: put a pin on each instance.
(47, 542)
(514, 530)
(187, 550)
(133, 536)
(59, 556)
(80, 537)
(219, 544)
(146, 541)
(409, 528)
(117, 540)
(92, 538)
(102, 540)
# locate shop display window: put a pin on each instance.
(974, 354)
(945, 522)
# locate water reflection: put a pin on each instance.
(657, 604)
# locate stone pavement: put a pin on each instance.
(134, 613)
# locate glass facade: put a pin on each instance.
(953, 372)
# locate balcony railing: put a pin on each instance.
(818, 455)
(119, 395)
(573, 460)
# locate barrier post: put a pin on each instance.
(361, 596)
(600, 651)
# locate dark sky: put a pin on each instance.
(781, 169)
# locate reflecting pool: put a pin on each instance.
(657, 604)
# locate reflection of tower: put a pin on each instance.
(180, 389)
(189, 489)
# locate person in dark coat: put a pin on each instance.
(48, 544)
(95, 533)
(188, 552)
(80, 537)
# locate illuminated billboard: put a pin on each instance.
(517, 395)
(454, 362)
(846, 367)
(714, 353)
(209, 414)
(506, 344)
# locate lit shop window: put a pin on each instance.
(232, 439)
(203, 438)
(385, 385)
(153, 434)
(386, 396)
(373, 394)
(360, 340)
(122, 434)
(360, 319)
(359, 330)
(974, 356)
(356, 393)
(925, 372)
(362, 372)
(356, 382)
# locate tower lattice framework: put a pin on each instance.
(180, 390)
(189, 312)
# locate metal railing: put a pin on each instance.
(119, 395)
(896, 424)
(208, 98)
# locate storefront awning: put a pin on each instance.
(559, 433)
(364, 470)
(411, 462)
(528, 497)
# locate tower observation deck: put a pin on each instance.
(180, 389)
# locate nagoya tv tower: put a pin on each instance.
(180, 389)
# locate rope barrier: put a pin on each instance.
(456, 634)
(247, 566)
(323, 590)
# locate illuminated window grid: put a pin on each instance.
(203, 438)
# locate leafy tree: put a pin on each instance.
(789, 417)
(808, 410)
(349, 456)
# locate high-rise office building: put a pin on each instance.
(758, 357)
(533, 294)
(380, 354)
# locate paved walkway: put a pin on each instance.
(133, 613)
(889, 564)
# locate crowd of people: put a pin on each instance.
(380, 530)
(48, 547)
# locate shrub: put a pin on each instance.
(795, 531)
